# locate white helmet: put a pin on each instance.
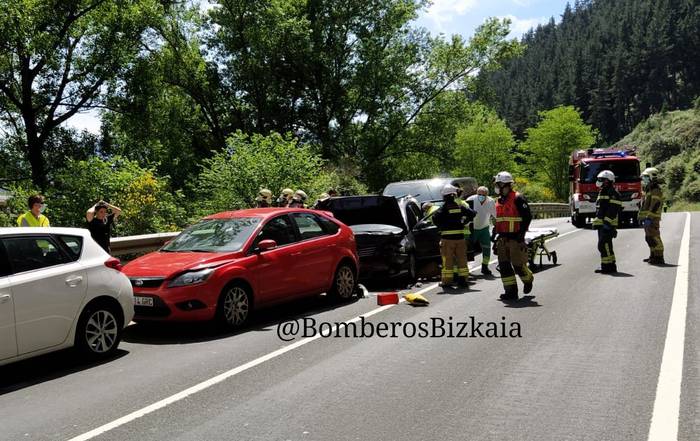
(652, 172)
(449, 189)
(504, 178)
(301, 195)
(607, 174)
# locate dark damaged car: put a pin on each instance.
(391, 240)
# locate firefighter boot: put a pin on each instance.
(657, 260)
(485, 270)
(511, 294)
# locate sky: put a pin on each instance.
(442, 16)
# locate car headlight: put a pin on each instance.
(191, 278)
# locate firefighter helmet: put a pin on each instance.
(449, 189)
(652, 172)
(504, 178)
(607, 174)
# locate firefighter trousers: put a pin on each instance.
(512, 260)
(652, 235)
(605, 246)
(454, 255)
(482, 238)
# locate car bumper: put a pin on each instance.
(590, 207)
(193, 303)
(375, 266)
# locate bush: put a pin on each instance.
(675, 174)
(17, 204)
(691, 192)
(662, 149)
(146, 202)
(535, 191)
(231, 179)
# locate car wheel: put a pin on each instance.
(344, 283)
(99, 331)
(234, 306)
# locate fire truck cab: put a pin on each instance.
(584, 167)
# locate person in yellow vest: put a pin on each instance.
(513, 218)
(650, 215)
(34, 217)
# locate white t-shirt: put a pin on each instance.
(484, 212)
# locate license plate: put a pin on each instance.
(143, 301)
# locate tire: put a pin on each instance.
(99, 330)
(234, 306)
(577, 221)
(344, 283)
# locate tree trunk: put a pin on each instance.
(36, 159)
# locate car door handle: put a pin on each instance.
(4, 298)
(74, 281)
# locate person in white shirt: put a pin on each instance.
(485, 209)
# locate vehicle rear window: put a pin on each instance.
(328, 225)
(32, 253)
(73, 244)
(415, 189)
(5, 269)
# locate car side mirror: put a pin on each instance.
(266, 245)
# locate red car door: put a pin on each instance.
(315, 265)
(275, 270)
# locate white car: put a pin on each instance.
(59, 288)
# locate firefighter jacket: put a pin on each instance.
(451, 219)
(608, 207)
(652, 203)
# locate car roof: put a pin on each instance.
(258, 212)
(6, 231)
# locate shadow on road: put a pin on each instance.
(165, 333)
(538, 269)
(523, 302)
(620, 274)
(47, 367)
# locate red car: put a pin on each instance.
(229, 263)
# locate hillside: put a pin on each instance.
(671, 141)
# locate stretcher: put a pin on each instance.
(535, 239)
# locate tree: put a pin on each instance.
(57, 57)
(549, 145)
(485, 146)
(231, 179)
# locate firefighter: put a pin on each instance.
(513, 218)
(608, 206)
(298, 200)
(450, 220)
(264, 198)
(285, 198)
(650, 215)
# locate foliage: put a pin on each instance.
(146, 202)
(57, 57)
(619, 61)
(485, 146)
(534, 191)
(691, 191)
(231, 179)
(17, 204)
(549, 145)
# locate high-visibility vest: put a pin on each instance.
(28, 220)
(462, 203)
(508, 217)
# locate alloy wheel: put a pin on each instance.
(101, 331)
(345, 282)
(236, 306)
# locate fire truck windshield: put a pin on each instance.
(625, 171)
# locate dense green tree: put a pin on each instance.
(57, 57)
(559, 132)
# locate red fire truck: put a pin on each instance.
(584, 167)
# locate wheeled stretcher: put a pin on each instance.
(535, 240)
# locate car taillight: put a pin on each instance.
(113, 263)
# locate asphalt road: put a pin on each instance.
(585, 367)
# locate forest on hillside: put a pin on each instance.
(617, 61)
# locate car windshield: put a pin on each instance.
(625, 171)
(214, 236)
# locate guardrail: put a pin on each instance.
(548, 210)
(128, 245)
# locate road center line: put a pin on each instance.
(237, 370)
(664, 419)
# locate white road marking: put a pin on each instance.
(223, 376)
(237, 370)
(664, 420)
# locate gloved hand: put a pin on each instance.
(646, 223)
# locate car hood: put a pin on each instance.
(366, 210)
(167, 264)
(376, 229)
